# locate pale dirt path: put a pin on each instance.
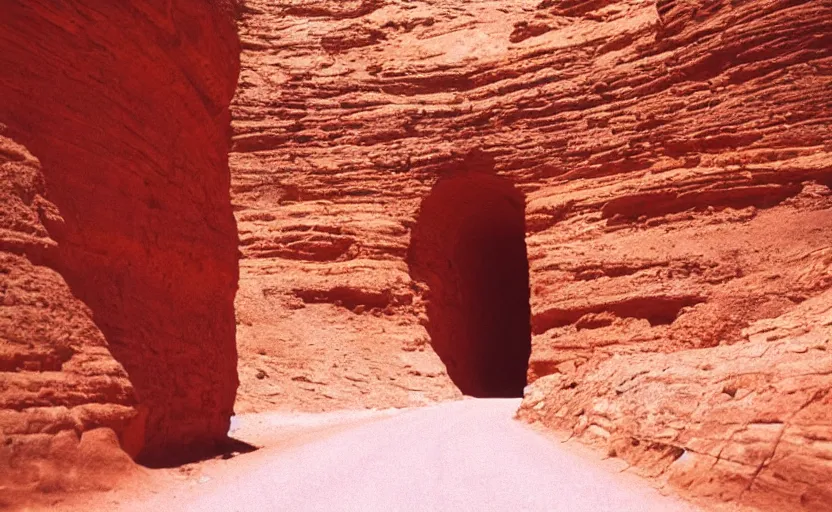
(460, 456)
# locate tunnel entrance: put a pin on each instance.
(469, 247)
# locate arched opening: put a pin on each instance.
(469, 247)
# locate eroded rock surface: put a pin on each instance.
(675, 158)
(750, 422)
(58, 380)
(125, 105)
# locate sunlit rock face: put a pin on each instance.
(675, 162)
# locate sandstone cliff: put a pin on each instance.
(675, 158)
(119, 246)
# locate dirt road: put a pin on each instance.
(459, 456)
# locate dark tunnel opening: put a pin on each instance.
(469, 247)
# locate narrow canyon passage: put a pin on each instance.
(469, 247)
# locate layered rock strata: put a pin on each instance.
(750, 422)
(675, 158)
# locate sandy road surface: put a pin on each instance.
(458, 456)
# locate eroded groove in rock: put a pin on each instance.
(659, 310)
(126, 106)
(468, 246)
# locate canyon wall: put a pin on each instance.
(675, 161)
(118, 238)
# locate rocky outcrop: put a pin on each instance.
(59, 385)
(750, 422)
(675, 158)
(127, 223)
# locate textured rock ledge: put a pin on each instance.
(60, 387)
(750, 422)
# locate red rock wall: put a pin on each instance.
(125, 106)
(675, 158)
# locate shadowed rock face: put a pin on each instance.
(125, 106)
(61, 391)
(469, 247)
